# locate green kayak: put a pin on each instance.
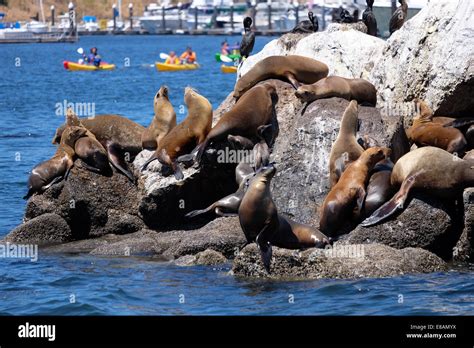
(234, 57)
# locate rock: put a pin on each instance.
(45, 229)
(301, 152)
(84, 201)
(119, 223)
(222, 235)
(464, 249)
(210, 257)
(334, 27)
(207, 257)
(426, 223)
(430, 57)
(349, 261)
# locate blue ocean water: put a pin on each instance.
(32, 83)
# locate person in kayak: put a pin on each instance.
(172, 58)
(225, 48)
(93, 57)
(188, 57)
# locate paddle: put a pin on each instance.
(80, 50)
(164, 56)
(226, 59)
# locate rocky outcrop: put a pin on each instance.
(207, 257)
(464, 249)
(349, 261)
(425, 223)
(430, 57)
(45, 229)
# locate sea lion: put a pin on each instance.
(248, 39)
(345, 149)
(185, 136)
(307, 26)
(49, 172)
(369, 19)
(120, 136)
(399, 17)
(163, 121)
(256, 108)
(295, 69)
(334, 86)
(425, 132)
(430, 169)
(379, 189)
(469, 156)
(88, 149)
(261, 222)
(349, 192)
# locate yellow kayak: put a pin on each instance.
(175, 67)
(228, 69)
(84, 67)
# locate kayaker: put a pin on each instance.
(172, 58)
(225, 48)
(93, 57)
(188, 57)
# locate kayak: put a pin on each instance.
(72, 66)
(175, 67)
(234, 57)
(228, 69)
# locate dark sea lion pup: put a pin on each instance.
(185, 136)
(49, 172)
(163, 121)
(295, 69)
(429, 169)
(334, 86)
(248, 39)
(349, 192)
(307, 26)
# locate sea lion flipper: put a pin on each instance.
(265, 248)
(194, 213)
(460, 122)
(360, 195)
(294, 82)
(396, 203)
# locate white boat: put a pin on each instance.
(36, 27)
(89, 23)
(152, 19)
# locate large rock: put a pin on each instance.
(350, 261)
(45, 229)
(430, 57)
(222, 235)
(425, 223)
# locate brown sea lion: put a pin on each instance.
(185, 136)
(57, 167)
(345, 149)
(379, 189)
(398, 17)
(295, 69)
(255, 109)
(120, 136)
(334, 86)
(163, 121)
(425, 132)
(349, 192)
(91, 152)
(430, 169)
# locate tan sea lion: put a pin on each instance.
(255, 109)
(185, 136)
(425, 132)
(91, 152)
(334, 86)
(345, 149)
(163, 121)
(57, 167)
(120, 136)
(295, 69)
(349, 192)
(429, 169)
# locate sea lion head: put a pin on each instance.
(72, 133)
(162, 92)
(71, 118)
(305, 93)
(58, 134)
(374, 155)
